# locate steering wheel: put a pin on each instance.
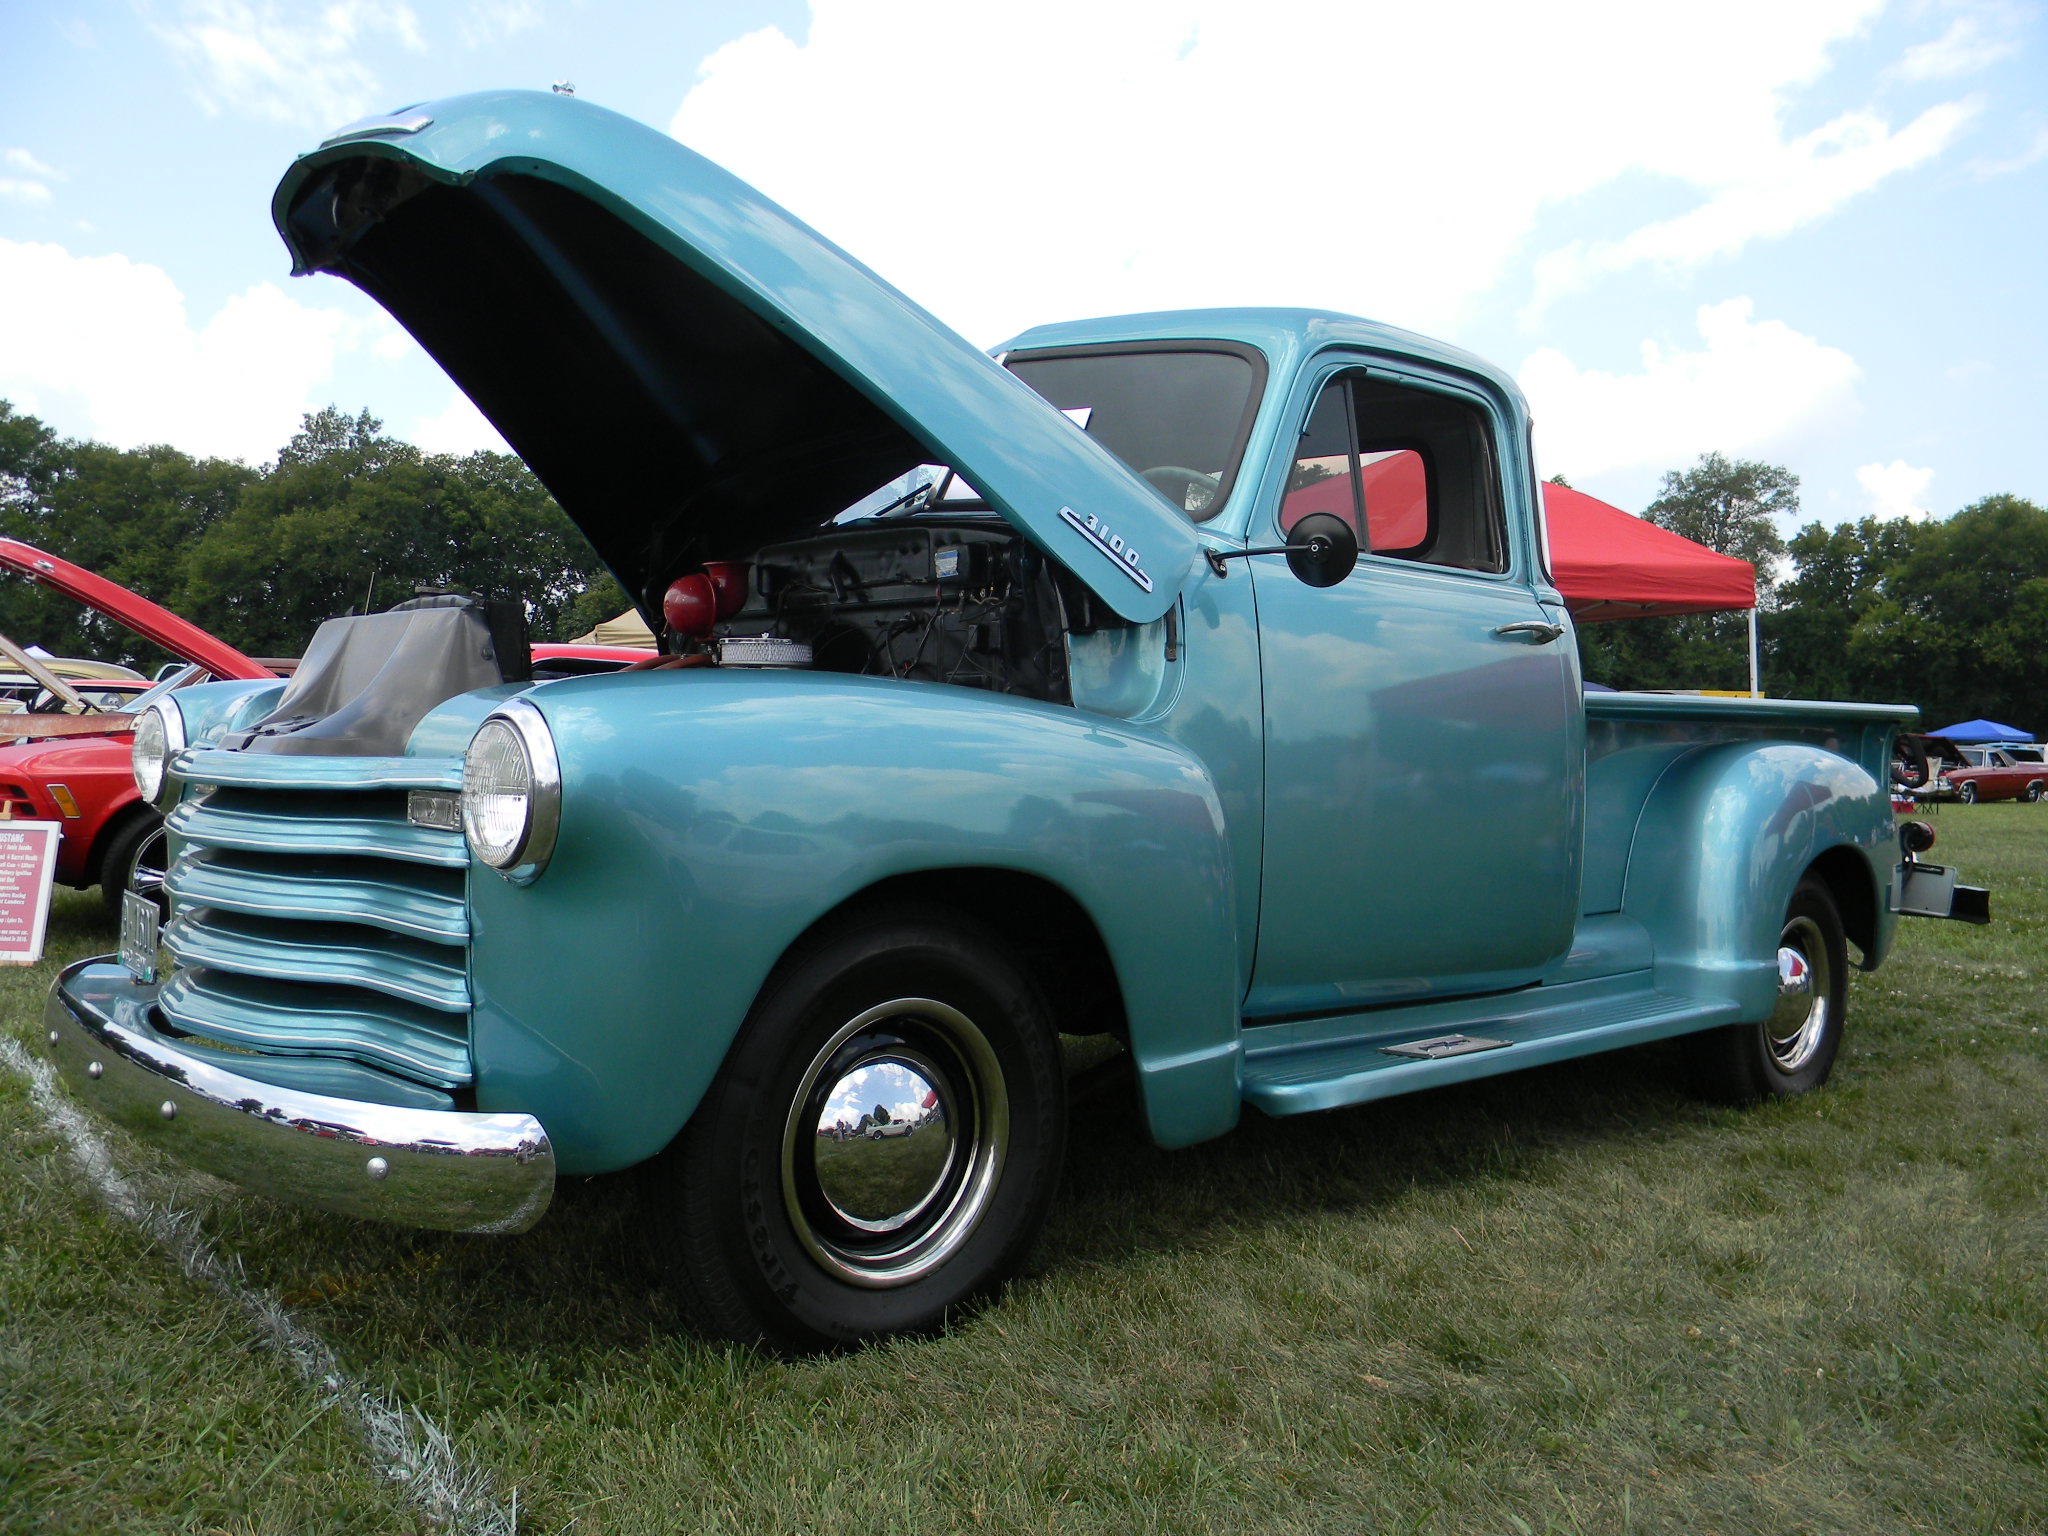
(1177, 480)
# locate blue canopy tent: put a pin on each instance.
(1982, 730)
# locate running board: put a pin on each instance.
(1504, 1034)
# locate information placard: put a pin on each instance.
(28, 862)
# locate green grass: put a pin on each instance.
(1573, 1300)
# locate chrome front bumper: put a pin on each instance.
(451, 1170)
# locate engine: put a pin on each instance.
(965, 603)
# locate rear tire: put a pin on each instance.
(135, 862)
(781, 1221)
(1793, 1050)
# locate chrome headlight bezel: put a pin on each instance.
(520, 728)
(159, 737)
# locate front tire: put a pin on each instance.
(1967, 792)
(2034, 791)
(1792, 1051)
(784, 1215)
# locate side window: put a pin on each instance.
(1411, 469)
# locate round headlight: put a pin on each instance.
(159, 737)
(512, 791)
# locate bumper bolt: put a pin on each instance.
(377, 1167)
(93, 1069)
(168, 1110)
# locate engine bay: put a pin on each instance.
(966, 602)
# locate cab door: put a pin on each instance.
(1424, 751)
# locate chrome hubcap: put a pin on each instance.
(146, 877)
(1800, 1021)
(895, 1142)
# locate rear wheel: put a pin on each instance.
(1793, 1050)
(135, 862)
(880, 1146)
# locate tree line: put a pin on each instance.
(348, 519)
(1949, 614)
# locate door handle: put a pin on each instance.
(1532, 630)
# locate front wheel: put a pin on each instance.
(135, 862)
(880, 1147)
(2035, 790)
(1793, 1050)
(1967, 792)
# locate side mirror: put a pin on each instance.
(1322, 549)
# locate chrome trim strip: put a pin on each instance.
(450, 1170)
(219, 1005)
(198, 821)
(393, 123)
(244, 770)
(386, 904)
(283, 953)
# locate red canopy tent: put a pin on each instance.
(1611, 565)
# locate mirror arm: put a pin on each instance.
(1218, 556)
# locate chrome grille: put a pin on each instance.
(311, 917)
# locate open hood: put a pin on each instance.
(155, 623)
(691, 371)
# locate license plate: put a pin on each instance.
(140, 921)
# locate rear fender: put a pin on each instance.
(1723, 839)
(709, 819)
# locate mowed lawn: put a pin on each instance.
(1573, 1300)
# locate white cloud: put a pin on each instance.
(1803, 182)
(459, 427)
(16, 190)
(102, 346)
(491, 21)
(22, 160)
(1975, 40)
(1170, 152)
(287, 64)
(1896, 489)
(1755, 383)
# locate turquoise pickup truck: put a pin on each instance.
(1193, 679)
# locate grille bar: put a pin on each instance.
(333, 954)
(276, 1019)
(241, 825)
(338, 891)
(242, 770)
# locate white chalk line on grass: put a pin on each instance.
(405, 1446)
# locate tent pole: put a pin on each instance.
(1754, 692)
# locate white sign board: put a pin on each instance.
(28, 862)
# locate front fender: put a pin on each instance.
(710, 818)
(1721, 842)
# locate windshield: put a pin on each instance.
(1176, 415)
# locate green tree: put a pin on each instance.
(351, 519)
(1839, 576)
(1731, 506)
(1957, 622)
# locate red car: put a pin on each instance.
(73, 768)
(1994, 773)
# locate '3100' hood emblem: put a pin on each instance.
(1097, 533)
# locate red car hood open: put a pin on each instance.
(155, 623)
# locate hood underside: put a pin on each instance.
(691, 371)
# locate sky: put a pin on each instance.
(1808, 231)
